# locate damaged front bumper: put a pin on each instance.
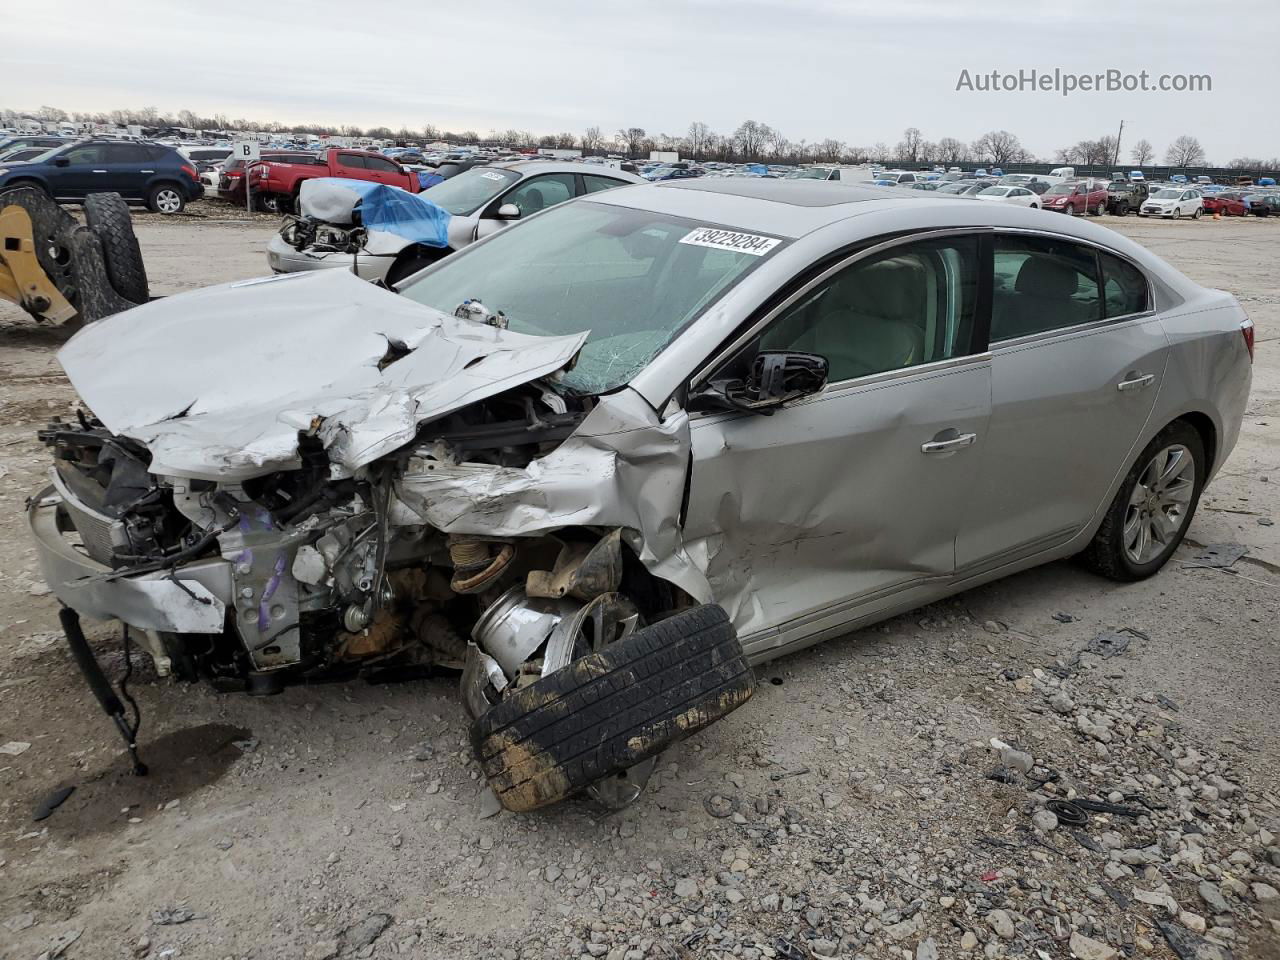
(190, 599)
(283, 258)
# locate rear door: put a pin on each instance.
(382, 170)
(349, 165)
(1077, 358)
(129, 169)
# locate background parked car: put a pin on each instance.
(231, 176)
(478, 203)
(278, 180)
(1264, 204)
(141, 172)
(1230, 203)
(1124, 195)
(1018, 196)
(10, 144)
(965, 188)
(1081, 196)
(1173, 202)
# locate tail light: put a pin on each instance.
(1246, 330)
(190, 171)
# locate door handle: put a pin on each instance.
(1136, 383)
(944, 446)
(99, 171)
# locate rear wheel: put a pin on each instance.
(1097, 210)
(1196, 213)
(167, 198)
(108, 217)
(1153, 507)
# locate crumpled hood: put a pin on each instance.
(218, 383)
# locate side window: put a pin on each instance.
(1042, 284)
(89, 153)
(835, 175)
(382, 166)
(353, 160)
(538, 193)
(1124, 286)
(908, 178)
(909, 305)
(595, 183)
(124, 153)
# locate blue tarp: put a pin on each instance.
(381, 207)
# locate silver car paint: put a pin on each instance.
(801, 540)
(290, 354)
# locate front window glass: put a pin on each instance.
(634, 279)
(910, 305)
(538, 193)
(469, 191)
(1166, 194)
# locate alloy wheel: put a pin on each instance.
(1159, 503)
(168, 201)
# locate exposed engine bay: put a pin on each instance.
(390, 525)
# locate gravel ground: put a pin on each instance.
(884, 795)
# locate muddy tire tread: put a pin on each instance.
(608, 711)
(108, 217)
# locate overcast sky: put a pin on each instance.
(858, 72)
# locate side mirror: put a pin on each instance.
(61, 162)
(776, 377)
(508, 211)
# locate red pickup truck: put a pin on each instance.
(277, 183)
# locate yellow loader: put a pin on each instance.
(61, 271)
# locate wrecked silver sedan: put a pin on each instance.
(599, 463)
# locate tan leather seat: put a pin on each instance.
(870, 321)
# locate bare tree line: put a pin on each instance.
(750, 141)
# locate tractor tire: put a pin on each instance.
(610, 710)
(108, 217)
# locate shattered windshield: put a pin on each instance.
(469, 191)
(634, 279)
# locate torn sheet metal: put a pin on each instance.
(622, 467)
(286, 354)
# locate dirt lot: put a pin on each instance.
(854, 807)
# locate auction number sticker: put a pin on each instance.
(751, 243)
(490, 175)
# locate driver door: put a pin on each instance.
(846, 501)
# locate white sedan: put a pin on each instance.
(1002, 193)
(1173, 202)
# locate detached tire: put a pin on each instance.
(608, 711)
(108, 217)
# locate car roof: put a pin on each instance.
(562, 166)
(794, 208)
(789, 208)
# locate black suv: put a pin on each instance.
(1123, 196)
(141, 172)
